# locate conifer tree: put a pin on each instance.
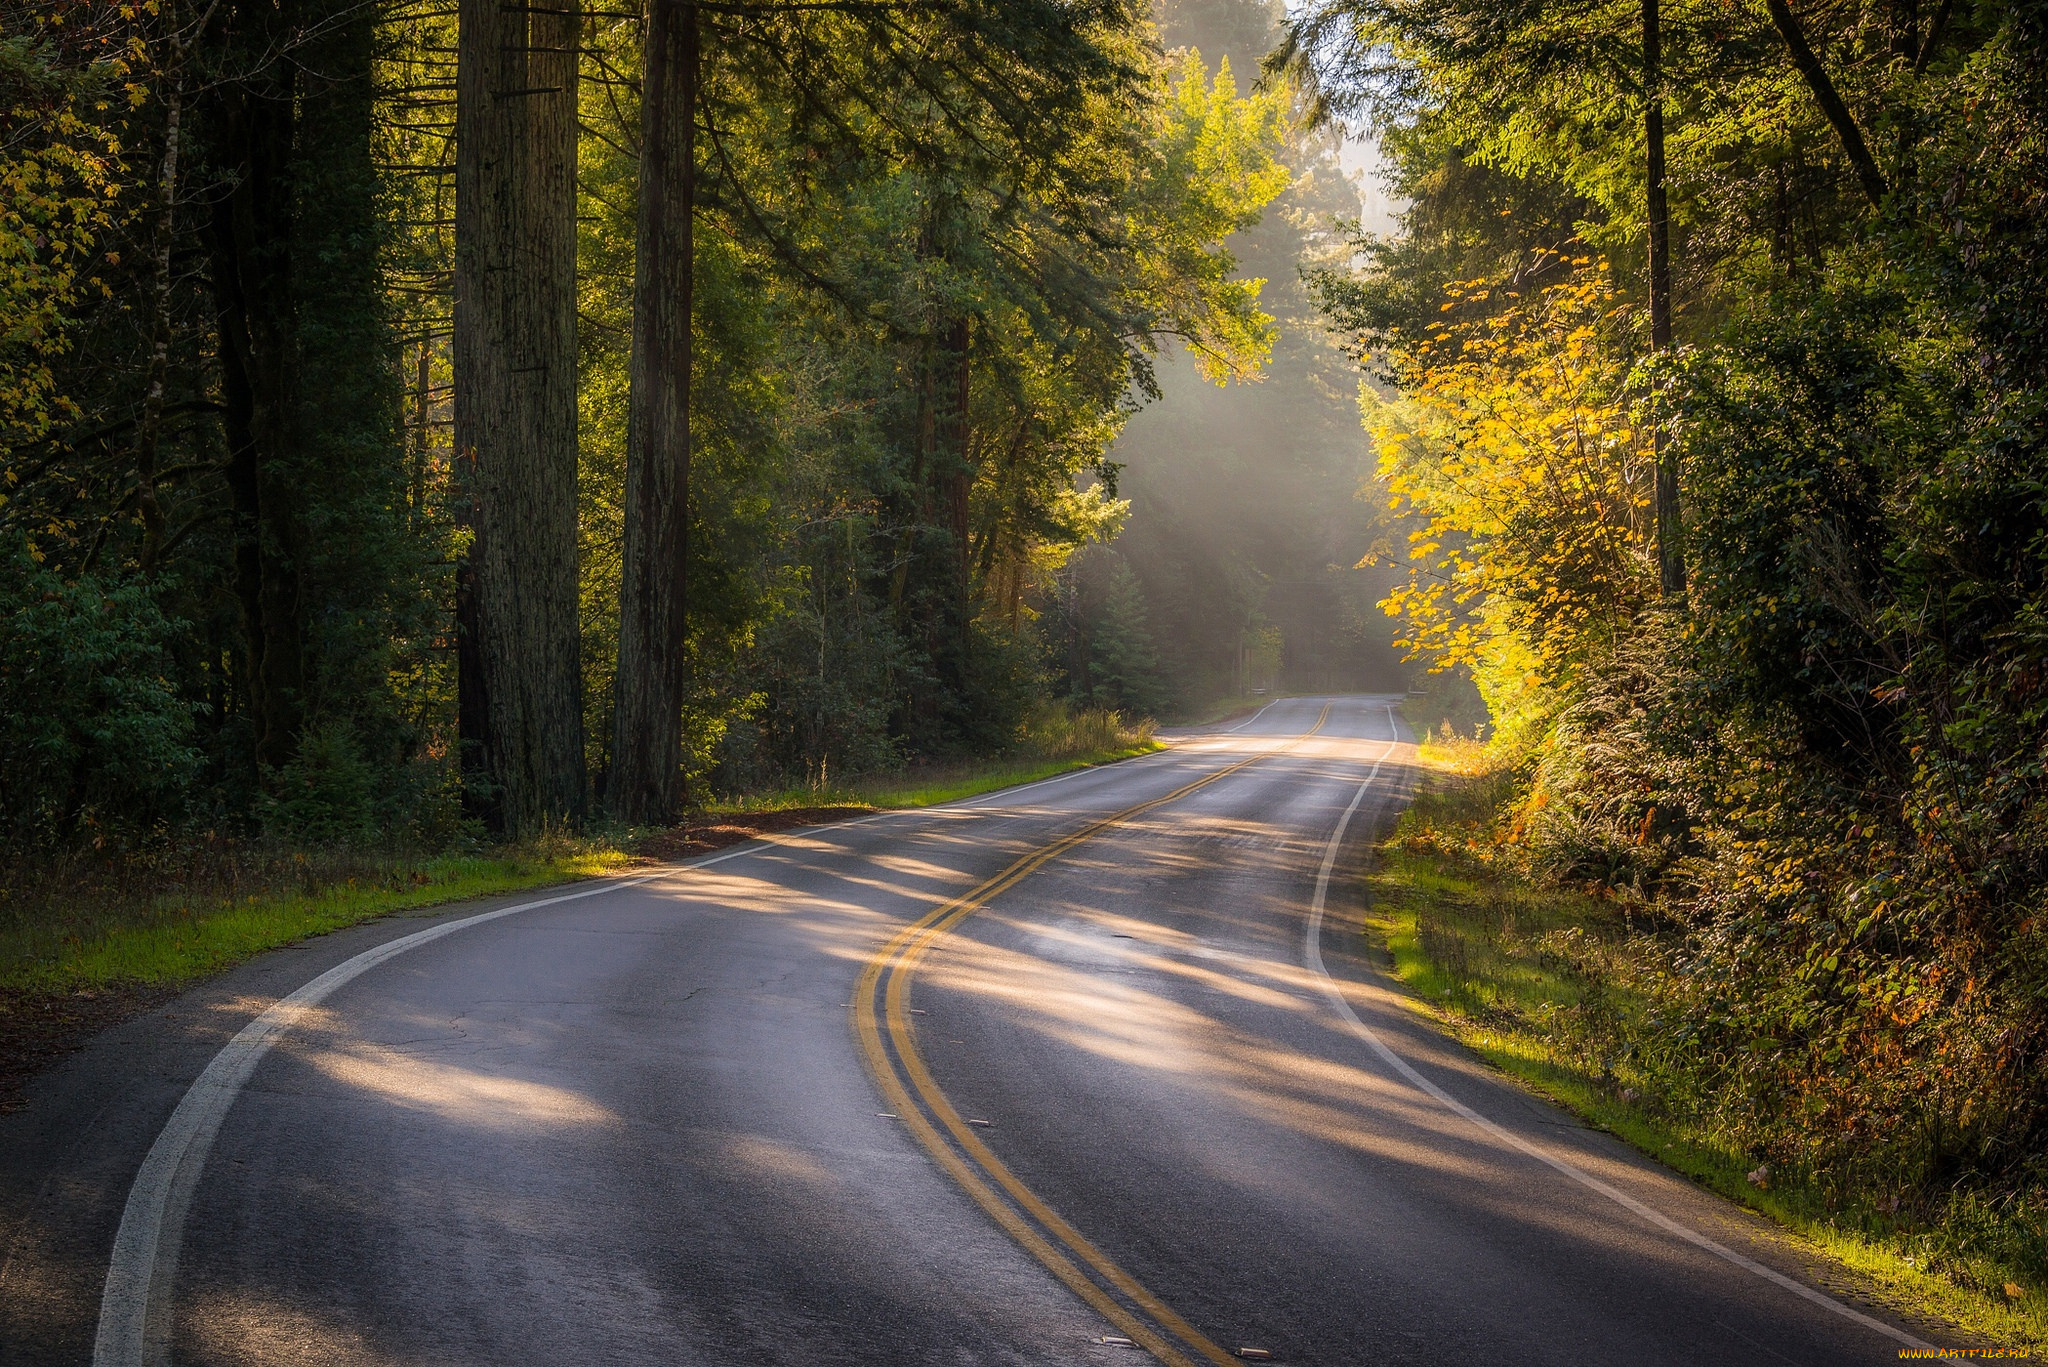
(1123, 666)
(515, 406)
(645, 780)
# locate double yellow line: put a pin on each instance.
(1064, 1251)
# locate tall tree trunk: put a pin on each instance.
(284, 135)
(931, 579)
(646, 779)
(348, 418)
(149, 430)
(515, 400)
(954, 468)
(252, 286)
(1670, 550)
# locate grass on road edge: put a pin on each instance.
(1497, 960)
(1224, 709)
(173, 940)
(179, 939)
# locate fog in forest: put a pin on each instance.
(1252, 503)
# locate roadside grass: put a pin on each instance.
(201, 908)
(925, 787)
(51, 943)
(1547, 985)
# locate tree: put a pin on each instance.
(1670, 549)
(930, 252)
(63, 173)
(1123, 667)
(1514, 448)
(1827, 775)
(515, 407)
(645, 778)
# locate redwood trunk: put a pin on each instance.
(515, 403)
(250, 264)
(955, 471)
(646, 779)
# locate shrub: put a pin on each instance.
(327, 794)
(93, 736)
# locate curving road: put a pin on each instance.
(1069, 1073)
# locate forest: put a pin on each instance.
(1706, 378)
(770, 439)
(430, 424)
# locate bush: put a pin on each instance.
(93, 736)
(327, 794)
(1057, 731)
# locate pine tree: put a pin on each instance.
(1123, 665)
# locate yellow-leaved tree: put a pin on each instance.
(59, 181)
(1526, 482)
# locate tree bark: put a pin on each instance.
(953, 469)
(250, 230)
(645, 783)
(1670, 549)
(1925, 49)
(515, 400)
(149, 430)
(282, 133)
(932, 580)
(1816, 76)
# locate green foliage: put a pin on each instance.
(94, 739)
(1589, 999)
(225, 394)
(1123, 668)
(61, 181)
(1099, 637)
(865, 553)
(333, 794)
(1818, 776)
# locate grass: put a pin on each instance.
(1542, 984)
(53, 944)
(1056, 739)
(203, 907)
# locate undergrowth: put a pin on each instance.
(183, 908)
(1571, 990)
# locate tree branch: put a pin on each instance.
(1831, 104)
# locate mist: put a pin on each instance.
(1252, 503)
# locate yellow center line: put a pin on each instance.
(897, 959)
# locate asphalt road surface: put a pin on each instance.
(1076, 1073)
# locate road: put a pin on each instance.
(1099, 1059)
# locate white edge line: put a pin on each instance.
(1312, 950)
(133, 1325)
(1229, 730)
(134, 1321)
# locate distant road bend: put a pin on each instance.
(1081, 1071)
